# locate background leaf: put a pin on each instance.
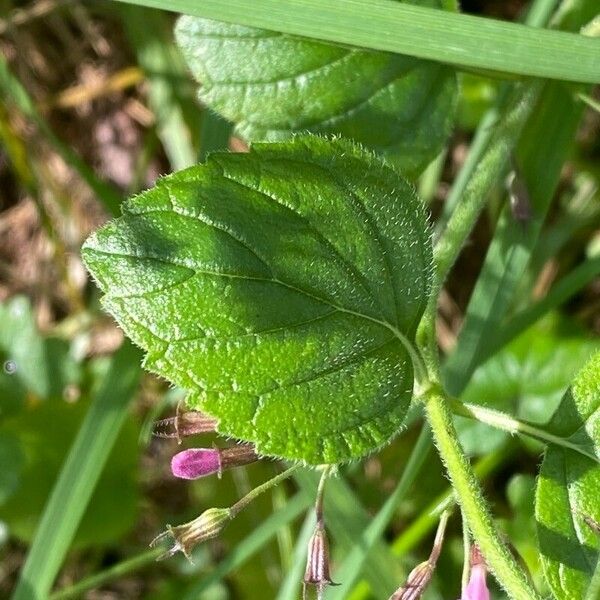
(282, 288)
(272, 85)
(568, 490)
(45, 434)
(526, 380)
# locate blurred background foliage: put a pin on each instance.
(95, 104)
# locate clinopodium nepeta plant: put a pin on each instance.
(292, 291)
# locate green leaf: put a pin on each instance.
(568, 489)
(80, 472)
(463, 40)
(36, 462)
(11, 465)
(272, 85)
(282, 288)
(526, 380)
(41, 365)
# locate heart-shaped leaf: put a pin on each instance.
(567, 508)
(282, 288)
(272, 85)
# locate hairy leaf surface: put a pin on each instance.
(272, 85)
(567, 507)
(282, 288)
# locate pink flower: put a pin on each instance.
(200, 462)
(477, 587)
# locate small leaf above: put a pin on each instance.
(567, 508)
(272, 85)
(282, 288)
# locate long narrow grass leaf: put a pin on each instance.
(566, 288)
(149, 33)
(542, 152)
(81, 470)
(125, 567)
(351, 570)
(290, 587)
(538, 16)
(404, 28)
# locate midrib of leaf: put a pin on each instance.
(348, 266)
(337, 308)
(427, 33)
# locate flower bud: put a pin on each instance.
(418, 579)
(200, 462)
(317, 563)
(477, 587)
(184, 424)
(416, 582)
(185, 537)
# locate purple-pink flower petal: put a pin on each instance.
(477, 588)
(196, 462)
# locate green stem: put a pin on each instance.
(471, 500)
(500, 420)
(425, 522)
(321, 494)
(538, 16)
(419, 528)
(466, 554)
(490, 168)
(257, 491)
(116, 571)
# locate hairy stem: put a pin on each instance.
(466, 554)
(473, 505)
(257, 491)
(508, 423)
(490, 169)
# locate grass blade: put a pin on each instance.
(538, 16)
(350, 571)
(150, 36)
(125, 567)
(544, 148)
(290, 588)
(81, 470)
(462, 40)
(569, 285)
